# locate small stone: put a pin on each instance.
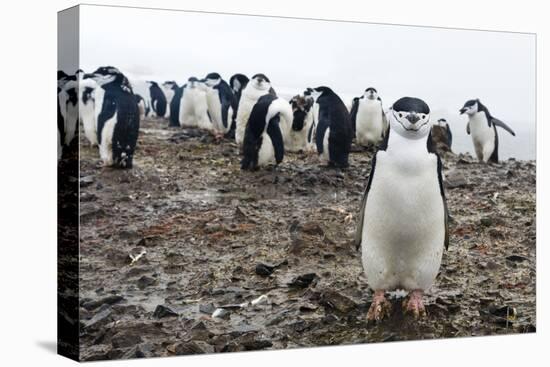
(145, 282)
(164, 311)
(486, 222)
(303, 281)
(337, 301)
(207, 308)
(264, 269)
(109, 300)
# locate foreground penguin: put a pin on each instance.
(221, 102)
(263, 142)
(402, 225)
(368, 118)
(333, 133)
(258, 86)
(483, 128)
(118, 121)
(158, 99)
(194, 106)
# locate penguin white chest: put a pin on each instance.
(483, 136)
(404, 224)
(369, 122)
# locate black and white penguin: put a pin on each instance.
(221, 103)
(263, 142)
(445, 125)
(368, 118)
(333, 133)
(259, 85)
(175, 104)
(87, 108)
(141, 105)
(118, 121)
(302, 123)
(67, 96)
(169, 89)
(194, 106)
(158, 99)
(402, 226)
(238, 82)
(483, 128)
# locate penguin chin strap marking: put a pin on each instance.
(415, 130)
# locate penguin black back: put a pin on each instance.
(333, 115)
(158, 99)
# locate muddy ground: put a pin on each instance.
(213, 239)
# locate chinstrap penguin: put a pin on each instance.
(483, 128)
(302, 123)
(221, 103)
(333, 131)
(368, 118)
(118, 121)
(169, 89)
(259, 85)
(194, 106)
(263, 142)
(402, 225)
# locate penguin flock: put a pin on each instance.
(402, 226)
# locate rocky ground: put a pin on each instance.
(185, 236)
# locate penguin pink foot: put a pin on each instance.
(380, 307)
(413, 304)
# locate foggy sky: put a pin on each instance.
(444, 67)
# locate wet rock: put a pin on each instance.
(486, 222)
(109, 300)
(99, 319)
(264, 269)
(192, 347)
(313, 228)
(162, 311)
(516, 258)
(138, 351)
(87, 197)
(308, 307)
(303, 281)
(125, 340)
(455, 179)
(337, 301)
(145, 282)
(87, 180)
(90, 211)
(207, 308)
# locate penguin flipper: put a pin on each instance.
(445, 207)
(468, 128)
(353, 114)
(322, 127)
(501, 124)
(449, 136)
(361, 217)
(274, 132)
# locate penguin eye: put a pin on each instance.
(423, 116)
(400, 115)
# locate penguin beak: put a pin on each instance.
(413, 118)
(462, 110)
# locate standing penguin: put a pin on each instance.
(194, 107)
(86, 106)
(368, 118)
(445, 130)
(68, 102)
(333, 133)
(483, 128)
(302, 123)
(175, 105)
(237, 83)
(141, 105)
(158, 99)
(402, 225)
(169, 89)
(263, 142)
(221, 102)
(258, 86)
(118, 121)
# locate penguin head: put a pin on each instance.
(442, 122)
(193, 82)
(321, 91)
(371, 93)
(470, 107)
(300, 108)
(170, 84)
(410, 118)
(212, 79)
(238, 82)
(261, 82)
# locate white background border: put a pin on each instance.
(28, 182)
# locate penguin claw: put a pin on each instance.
(414, 306)
(380, 308)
